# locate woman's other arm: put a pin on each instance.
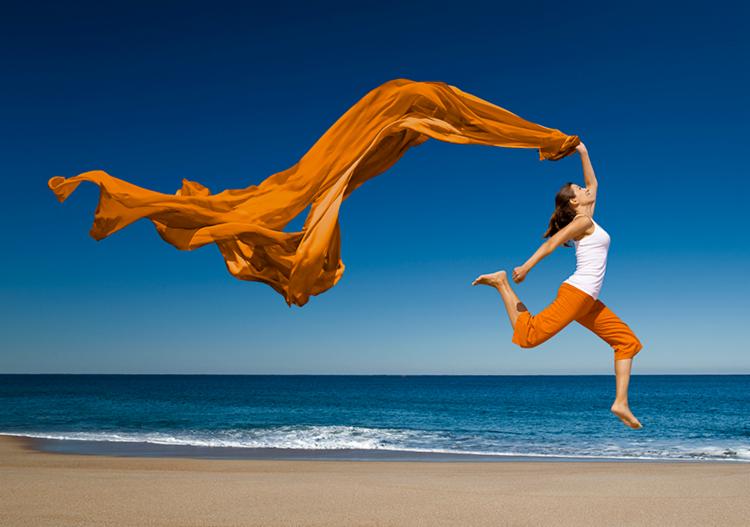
(572, 230)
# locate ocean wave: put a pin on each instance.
(404, 440)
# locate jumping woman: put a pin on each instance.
(577, 298)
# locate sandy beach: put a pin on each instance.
(40, 489)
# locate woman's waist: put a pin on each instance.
(582, 291)
(591, 272)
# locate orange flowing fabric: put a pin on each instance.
(247, 224)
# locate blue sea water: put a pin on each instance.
(685, 417)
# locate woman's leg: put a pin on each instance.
(499, 281)
(620, 407)
(608, 326)
(531, 330)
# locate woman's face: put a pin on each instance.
(582, 196)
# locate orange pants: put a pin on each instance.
(573, 304)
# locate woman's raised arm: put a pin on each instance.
(588, 170)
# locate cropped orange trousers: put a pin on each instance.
(574, 304)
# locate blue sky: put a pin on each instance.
(227, 94)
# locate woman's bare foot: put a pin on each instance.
(493, 279)
(622, 410)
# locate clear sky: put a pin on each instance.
(227, 94)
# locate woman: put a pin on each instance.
(577, 297)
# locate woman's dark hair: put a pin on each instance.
(564, 212)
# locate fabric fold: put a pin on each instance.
(247, 224)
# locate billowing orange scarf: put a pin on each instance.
(247, 224)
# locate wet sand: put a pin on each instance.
(52, 489)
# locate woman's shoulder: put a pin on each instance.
(591, 228)
(590, 219)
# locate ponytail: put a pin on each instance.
(563, 213)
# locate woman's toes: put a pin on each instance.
(493, 279)
(626, 416)
(481, 279)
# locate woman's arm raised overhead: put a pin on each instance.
(588, 173)
(572, 230)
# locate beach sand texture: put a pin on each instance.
(45, 489)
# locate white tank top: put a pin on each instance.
(591, 261)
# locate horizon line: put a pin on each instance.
(394, 374)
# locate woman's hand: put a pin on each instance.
(519, 273)
(582, 148)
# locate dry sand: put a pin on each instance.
(40, 489)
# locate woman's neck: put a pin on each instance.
(584, 209)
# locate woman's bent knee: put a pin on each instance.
(526, 332)
(629, 350)
(528, 340)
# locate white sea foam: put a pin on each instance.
(438, 442)
(307, 437)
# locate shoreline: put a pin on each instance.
(42, 489)
(158, 450)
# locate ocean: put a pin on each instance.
(381, 417)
